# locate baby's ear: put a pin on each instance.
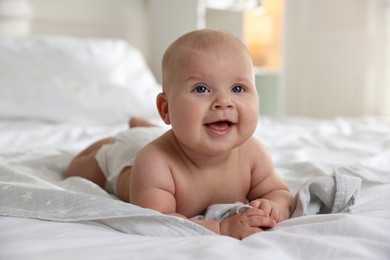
(162, 107)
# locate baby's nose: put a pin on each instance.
(222, 102)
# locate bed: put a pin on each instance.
(58, 94)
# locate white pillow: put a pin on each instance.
(68, 79)
(71, 59)
(81, 104)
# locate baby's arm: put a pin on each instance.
(151, 182)
(251, 221)
(268, 191)
(239, 226)
(152, 186)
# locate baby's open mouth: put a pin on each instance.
(219, 127)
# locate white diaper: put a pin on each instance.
(114, 157)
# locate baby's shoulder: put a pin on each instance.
(153, 158)
(254, 152)
(253, 145)
(160, 146)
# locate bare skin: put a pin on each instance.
(139, 122)
(209, 156)
(259, 218)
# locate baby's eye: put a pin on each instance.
(201, 89)
(238, 89)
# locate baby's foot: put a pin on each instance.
(137, 121)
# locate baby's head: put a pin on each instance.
(209, 95)
(205, 40)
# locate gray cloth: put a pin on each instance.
(326, 194)
(221, 211)
(319, 195)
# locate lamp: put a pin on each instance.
(257, 22)
(262, 33)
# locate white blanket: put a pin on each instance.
(75, 199)
(85, 219)
(26, 194)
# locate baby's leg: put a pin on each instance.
(86, 166)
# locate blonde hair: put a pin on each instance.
(196, 40)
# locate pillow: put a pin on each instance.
(69, 79)
(71, 59)
(81, 104)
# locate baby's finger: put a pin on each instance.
(255, 203)
(266, 207)
(275, 215)
(261, 222)
(255, 212)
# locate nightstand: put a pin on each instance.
(268, 85)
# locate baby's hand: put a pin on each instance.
(270, 209)
(249, 222)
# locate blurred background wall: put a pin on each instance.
(313, 58)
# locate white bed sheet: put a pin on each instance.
(301, 149)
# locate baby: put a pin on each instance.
(209, 155)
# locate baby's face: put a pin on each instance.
(213, 103)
